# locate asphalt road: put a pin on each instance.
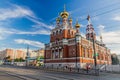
(4, 76)
(22, 73)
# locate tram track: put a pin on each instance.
(23, 77)
(27, 77)
(25, 74)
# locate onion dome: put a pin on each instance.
(64, 14)
(58, 19)
(101, 37)
(77, 25)
(70, 20)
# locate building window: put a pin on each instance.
(60, 31)
(73, 52)
(61, 53)
(53, 33)
(88, 53)
(98, 54)
(52, 54)
(83, 51)
(102, 57)
(56, 32)
(68, 31)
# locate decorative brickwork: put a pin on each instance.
(68, 47)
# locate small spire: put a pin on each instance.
(101, 38)
(70, 15)
(77, 24)
(64, 14)
(70, 19)
(58, 14)
(88, 18)
(58, 18)
(64, 7)
(76, 21)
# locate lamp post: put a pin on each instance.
(95, 62)
(28, 56)
(45, 56)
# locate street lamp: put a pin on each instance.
(28, 56)
(45, 56)
(95, 62)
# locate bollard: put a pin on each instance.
(78, 69)
(70, 69)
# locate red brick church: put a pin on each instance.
(68, 48)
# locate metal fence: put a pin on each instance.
(111, 68)
(71, 70)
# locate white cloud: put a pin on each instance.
(18, 12)
(116, 18)
(111, 37)
(15, 12)
(100, 29)
(4, 32)
(112, 40)
(83, 26)
(40, 24)
(29, 42)
(44, 32)
(101, 26)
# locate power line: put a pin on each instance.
(108, 6)
(104, 7)
(102, 13)
(106, 12)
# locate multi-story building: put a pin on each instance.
(68, 48)
(12, 54)
(37, 53)
(21, 53)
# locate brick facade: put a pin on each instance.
(66, 49)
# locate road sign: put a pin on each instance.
(95, 54)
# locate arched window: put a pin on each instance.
(83, 51)
(72, 32)
(56, 32)
(68, 31)
(88, 52)
(60, 31)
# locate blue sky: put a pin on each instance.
(28, 22)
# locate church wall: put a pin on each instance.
(65, 35)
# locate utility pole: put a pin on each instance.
(27, 56)
(45, 56)
(95, 62)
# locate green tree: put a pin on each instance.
(115, 60)
(16, 60)
(39, 58)
(19, 59)
(7, 59)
